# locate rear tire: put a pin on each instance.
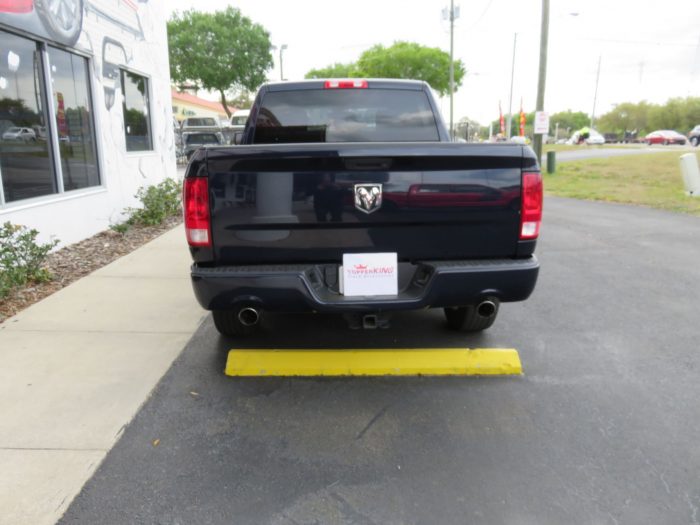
(694, 142)
(228, 324)
(467, 318)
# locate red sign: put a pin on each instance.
(61, 116)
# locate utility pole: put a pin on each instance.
(512, 76)
(595, 94)
(282, 48)
(544, 35)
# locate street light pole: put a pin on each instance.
(544, 35)
(512, 76)
(595, 94)
(282, 48)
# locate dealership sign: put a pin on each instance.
(369, 274)
(541, 123)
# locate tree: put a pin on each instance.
(569, 122)
(218, 51)
(337, 70)
(241, 99)
(401, 60)
(466, 128)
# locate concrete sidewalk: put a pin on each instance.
(77, 366)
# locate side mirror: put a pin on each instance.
(238, 137)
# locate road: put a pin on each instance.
(602, 428)
(603, 153)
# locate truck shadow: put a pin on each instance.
(422, 329)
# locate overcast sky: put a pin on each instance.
(650, 50)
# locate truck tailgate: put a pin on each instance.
(296, 203)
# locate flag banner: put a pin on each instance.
(500, 118)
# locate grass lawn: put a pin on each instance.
(649, 180)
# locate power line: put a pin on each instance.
(481, 15)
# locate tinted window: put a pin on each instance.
(137, 122)
(202, 138)
(345, 115)
(238, 121)
(201, 122)
(25, 165)
(71, 95)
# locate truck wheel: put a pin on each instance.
(228, 322)
(472, 318)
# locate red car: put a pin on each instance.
(665, 137)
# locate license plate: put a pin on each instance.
(369, 274)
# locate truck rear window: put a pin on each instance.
(345, 115)
(200, 122)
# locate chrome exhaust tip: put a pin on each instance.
(249, 316)
(486, 308)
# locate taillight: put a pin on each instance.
(195, 205)
(345, 84)
(531, 211)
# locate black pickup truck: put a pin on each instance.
(348, 196)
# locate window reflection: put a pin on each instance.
(71, 96)
(25, 164)
(137, 123)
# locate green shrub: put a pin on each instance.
(159, 202)
(121, 227)
(21, 257)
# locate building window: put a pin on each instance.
(137, 122)
(74, 123)
(30, 163)
(26, 166)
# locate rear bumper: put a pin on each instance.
(310, 287)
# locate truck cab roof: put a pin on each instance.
(376, 83)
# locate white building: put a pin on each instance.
(85, 111)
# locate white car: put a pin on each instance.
(239, 118)
(594, 138)
(24, 134)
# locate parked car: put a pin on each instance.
(23, 134)
(595, 138)
(588, 136)
(193, 141)
(199, 123)
(239, 118)
(694, 136)
(349, 196)
(665, 137)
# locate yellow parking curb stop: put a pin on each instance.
(374, 362)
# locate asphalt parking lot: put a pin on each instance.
(602, 428)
